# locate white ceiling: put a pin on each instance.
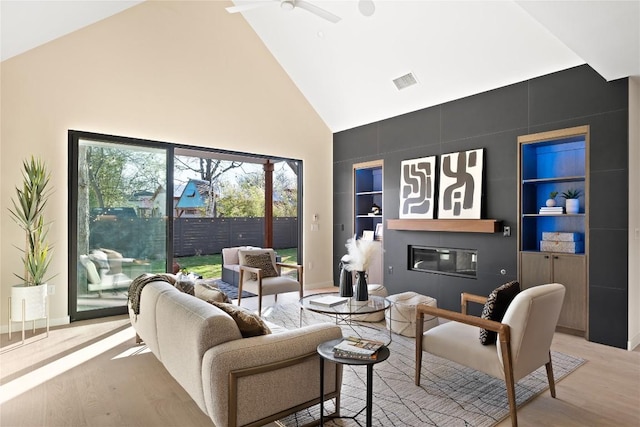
(345, 70)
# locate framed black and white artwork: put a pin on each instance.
(461, 184)
(417, 188)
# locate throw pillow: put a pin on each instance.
(185, 285)
(209, 292)
(250, 324)
(495, 308)
(263, 262)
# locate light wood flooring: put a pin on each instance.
(92, 374)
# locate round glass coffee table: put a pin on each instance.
(345, 310)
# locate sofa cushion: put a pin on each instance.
(262, 261)
(249, 324)
(495, 308)
(210, 292)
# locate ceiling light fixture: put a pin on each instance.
(366, 7)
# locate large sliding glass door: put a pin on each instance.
(139, 206)
(118, 209)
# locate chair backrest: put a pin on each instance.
(230, 256)
(242, 256)
(532, 317)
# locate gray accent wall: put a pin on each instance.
(493, 121)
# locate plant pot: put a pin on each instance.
(35, 306)
(551, 202)
(572, 206)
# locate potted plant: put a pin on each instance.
(27, 212)
(572, 205)
(551, 201)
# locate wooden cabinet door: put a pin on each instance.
(570, 270)
(535, 269)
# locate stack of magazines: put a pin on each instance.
(357, 348)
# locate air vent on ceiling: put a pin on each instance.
(405, 81)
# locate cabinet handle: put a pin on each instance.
(546, 257)
(555, 257)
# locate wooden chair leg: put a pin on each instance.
(509, 382)
(240, 280)
(552, 382)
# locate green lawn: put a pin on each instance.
(210, 266)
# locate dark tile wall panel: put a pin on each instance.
(604, 247)
(606, 315)
(609, 132)
(493, 120)
(578, 92)
(416, 129)
(486, 113)
(607, 209)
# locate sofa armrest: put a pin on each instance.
(239, 376)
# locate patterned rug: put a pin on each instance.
(449, 394)
(232, 291)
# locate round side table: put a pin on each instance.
(325, 350)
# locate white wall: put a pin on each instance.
(183, 72)
(634, 212)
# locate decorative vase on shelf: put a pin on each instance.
(346, 281)
(572, 206)
(551, 202)
(362, 290)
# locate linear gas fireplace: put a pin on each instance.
(450, 261)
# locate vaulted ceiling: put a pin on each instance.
(346, 69)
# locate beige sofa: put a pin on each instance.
(235, 381)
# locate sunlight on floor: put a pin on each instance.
(39, 376)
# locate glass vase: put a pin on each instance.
(362, 290)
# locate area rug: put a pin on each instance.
(232, 291)
(449, 394)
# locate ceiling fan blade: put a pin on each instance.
(248, 6)
(318, 11)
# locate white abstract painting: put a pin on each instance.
(461, 185)
(417, 188)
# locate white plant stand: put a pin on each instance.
(24, 302)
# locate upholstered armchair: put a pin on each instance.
(523, 337)
(261, 274)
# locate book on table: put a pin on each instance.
(329, 300)
(357, 348)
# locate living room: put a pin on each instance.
(153, 72)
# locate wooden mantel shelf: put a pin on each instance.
(451, 225)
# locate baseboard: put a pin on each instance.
(633, 342)
(39, 324)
